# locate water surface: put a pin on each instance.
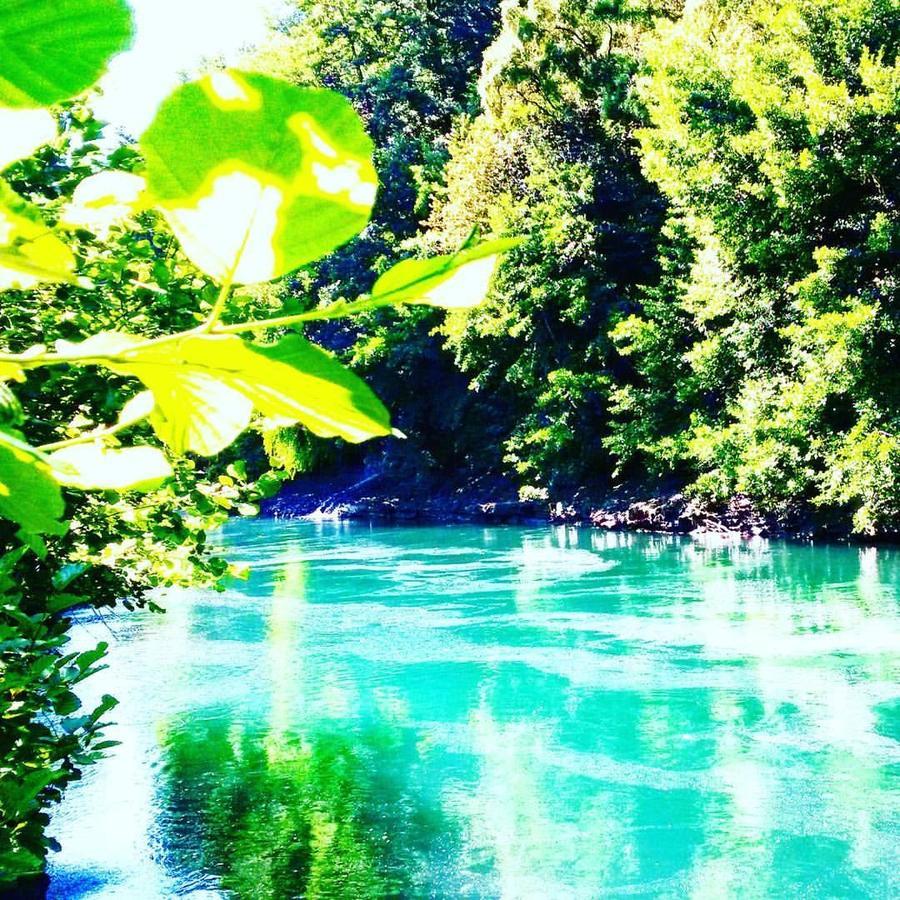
(468, 712)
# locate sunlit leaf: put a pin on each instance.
(104, 200)
(195, 410)
(454, 282)
(51, 50)
(297, 381)
(11, 372)
(256, 176)
(206, 387)
(95, 467)
(22, 131)
(136, 409)
(30, 253)
(29, 495)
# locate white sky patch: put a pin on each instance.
(174, 37)
(22, 131)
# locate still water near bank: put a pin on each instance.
(468, 712)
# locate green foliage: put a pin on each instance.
(45, 737)
(29, 253)
(773, 134)
(860, 474)
(206, 385)
(552, 156)
(332, 814)
(29, 493)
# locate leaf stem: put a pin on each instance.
(90, 436)
(219, 305)
(228, 284)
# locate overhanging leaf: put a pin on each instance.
(29, 495)
(95, 467)
(297, 381)
(30, 253)
(10, 371)
(51, 50)
(457, 281)
(206, 387)
(195, 411)
(256, 176)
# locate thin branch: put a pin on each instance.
(91, 436)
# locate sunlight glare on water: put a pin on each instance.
(515, 712)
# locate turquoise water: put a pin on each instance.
(515, 712)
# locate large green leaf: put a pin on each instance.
(458, 281)
(206, 387)
(297, 381)
(51, 50)
(195, 411)
(30, 253)
(29, 495)
(257, 176)
(95, 467)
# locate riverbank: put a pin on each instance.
(659, 508)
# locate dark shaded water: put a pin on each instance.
(468, 712)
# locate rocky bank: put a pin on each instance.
(641, 508)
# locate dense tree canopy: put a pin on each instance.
(773, 135)
(708, 193)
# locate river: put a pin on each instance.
(500, 712)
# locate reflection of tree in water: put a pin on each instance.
(331, 815)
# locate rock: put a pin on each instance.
(511, 511)
(565, 515)
(608, 519)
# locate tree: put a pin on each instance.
(410, 70)
(553, 156)
(773, 137)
